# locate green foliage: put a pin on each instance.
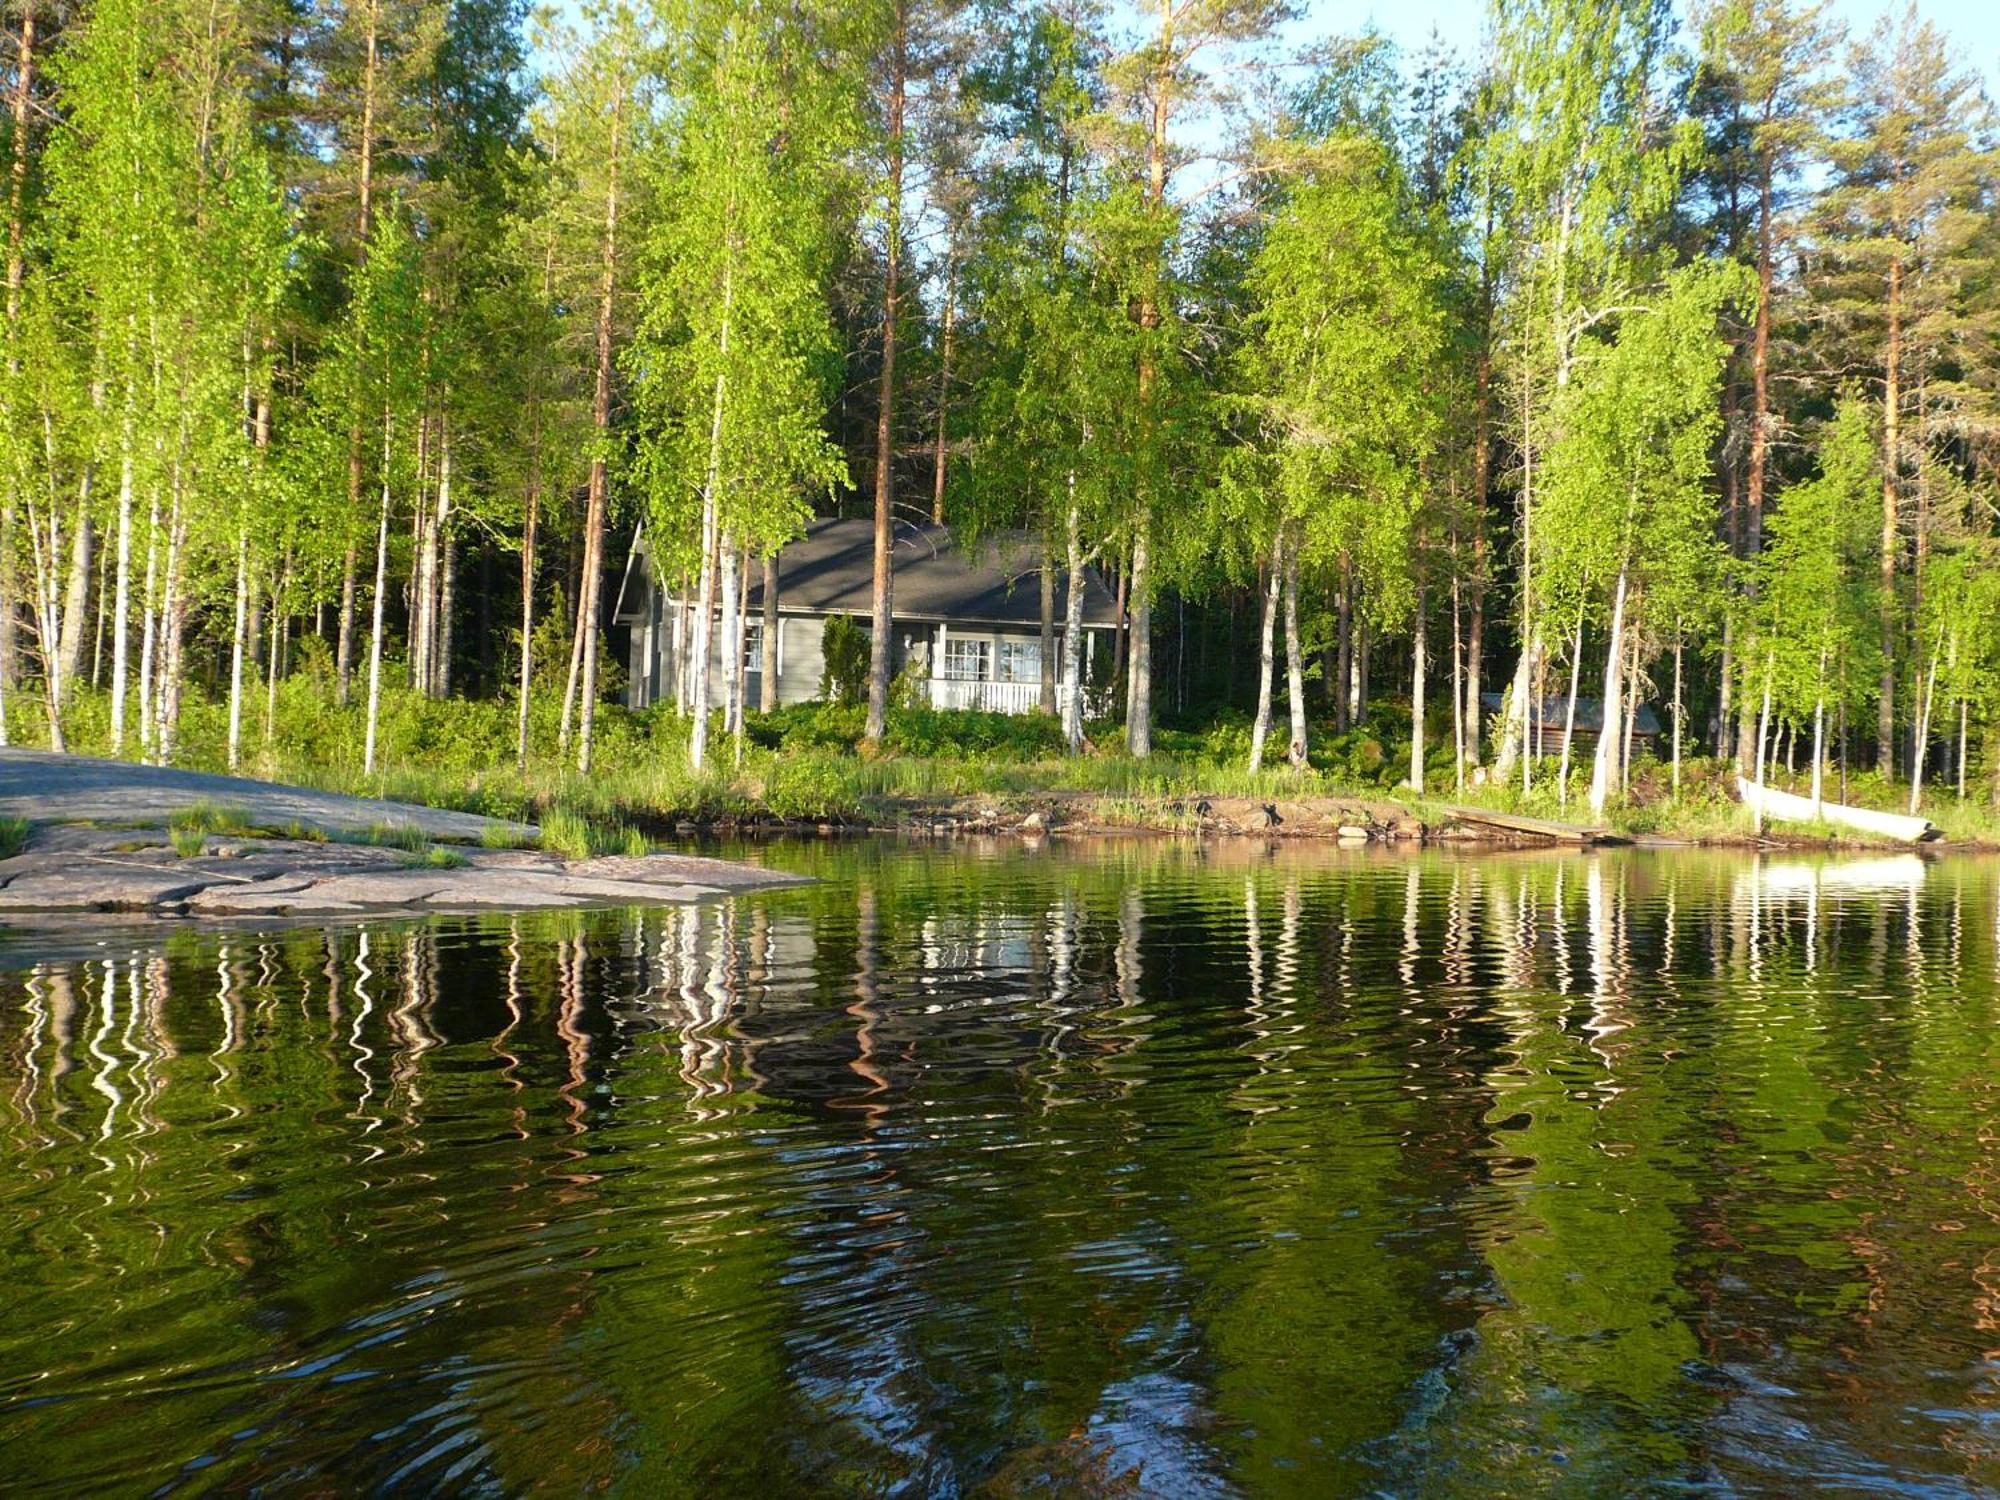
(14, 833)
(815, 787)
(844, 648)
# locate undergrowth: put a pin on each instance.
(808, 763)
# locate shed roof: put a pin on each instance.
(831, 570)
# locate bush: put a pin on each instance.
(812, 788)
(967, 733)
(845, 648)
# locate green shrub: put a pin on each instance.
(188, 841)
(812, 788)
(844, 647)
(14, 836)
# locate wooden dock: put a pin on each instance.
(1533, 828)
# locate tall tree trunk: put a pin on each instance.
(381, 591)
(711, 522)
(1961, 748)
(1458, 736)
(148, 635)
(1139, 669)
(1605, 767)
(1569, 715)
(1295, 661)
(121, 606)
(739, 656)
(600, 420)
(447, 604)
(731, 639)
(1885, 711)
(343, 656)
(1047, 700)
(1261, 729)
(699, 649)
(1680, 713)
(76, 595)
(364, 147)
(1923, 736)
(236, 641)
(1343, 635)
(1819, 743)
(770, 667)
(531, 514)
(944, 385)
(882, 640)
(24, 76)
(1417, 668)
(1763, 739)
(1072, 644)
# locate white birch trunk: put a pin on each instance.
(1763, 739)
(236, 647)
(1923, 737)
(1605, 764)
(1260, 730)
(1569, 715)
(375, 627)
(1679, 713)
(731, 646)
(1072, 646)
(1819, 753)
(1418, 666)
(1295, 661)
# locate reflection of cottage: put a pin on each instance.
(971, 624)
(1554, 711)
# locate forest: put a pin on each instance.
(1618, 354)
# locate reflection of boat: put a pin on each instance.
(1786, 808)
(1893, 874)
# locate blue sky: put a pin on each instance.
(1974, 24)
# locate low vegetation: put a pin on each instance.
(808, 764)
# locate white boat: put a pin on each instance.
(1784, 807)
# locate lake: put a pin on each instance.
(1118, 1168)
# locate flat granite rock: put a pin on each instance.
(83, 869)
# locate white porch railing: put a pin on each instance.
(990, 697)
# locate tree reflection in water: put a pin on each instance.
(1144, 1167)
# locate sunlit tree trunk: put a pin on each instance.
(1418, 666)
(1606, 764)
(381, 591)
(236, 642)
(1295, 662)
(1892, 401)
(600, 417)
(1261, 729)
(767, 676)
(881, 647)
(1072, 644)
(1569, 715)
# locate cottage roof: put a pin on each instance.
(831, 570)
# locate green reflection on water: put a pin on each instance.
(1133, 1167)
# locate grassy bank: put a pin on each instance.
(808, 764)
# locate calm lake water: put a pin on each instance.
(1105, 1169)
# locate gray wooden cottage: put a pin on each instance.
(970, 620)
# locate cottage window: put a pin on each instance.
(753, 645)
(966, 661)
(1020, 661)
